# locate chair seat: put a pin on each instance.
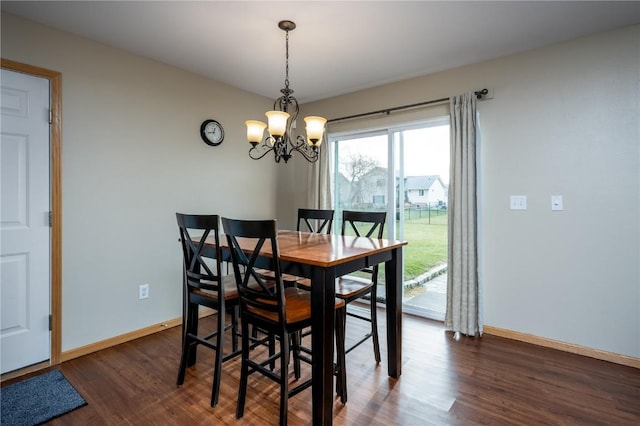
(347, 288)
(230, 289)
(298, 307)
(304, 283)
(268, 274)
(350, 288)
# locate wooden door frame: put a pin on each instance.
(55, 156)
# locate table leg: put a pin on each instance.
(322, 316)
(393, 288)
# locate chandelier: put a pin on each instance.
(280, 122)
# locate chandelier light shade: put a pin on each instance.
(281, 120)
(277, 122)
(315, 129)
(255, 131)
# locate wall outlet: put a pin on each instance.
(143, 291)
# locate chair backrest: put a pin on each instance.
(256, 292)
(201, 263)
(322, 219)
(365, 224)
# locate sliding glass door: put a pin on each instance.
(404, 171)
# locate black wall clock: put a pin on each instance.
(211, 132)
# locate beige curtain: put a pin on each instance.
(319, 178)
(463, 310)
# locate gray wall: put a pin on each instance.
(564, 120)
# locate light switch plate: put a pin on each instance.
(556, 202)
(518, 202)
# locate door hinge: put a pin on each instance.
(50, 322)
(50, 219)
(50, 116)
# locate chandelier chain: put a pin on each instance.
(286, 77)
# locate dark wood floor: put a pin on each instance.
(491, 380)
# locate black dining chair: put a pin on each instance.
(351, 288)
(204, 285)
(271, 307)
(315, 220)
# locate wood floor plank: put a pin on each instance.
(489, 380)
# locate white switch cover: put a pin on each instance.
(518, 202)
(556, 202)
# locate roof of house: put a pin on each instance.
(420, 182)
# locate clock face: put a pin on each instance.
(212, 132)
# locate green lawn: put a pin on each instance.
(427, 242)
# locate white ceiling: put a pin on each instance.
(338, 46)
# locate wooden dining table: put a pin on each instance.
(323, 258)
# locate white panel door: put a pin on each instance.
(24, 221)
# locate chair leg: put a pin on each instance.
(217, 367)
(284, 379)
(234, 328)
(192, 328)
(374, 325)
(272, 350)
(244, 370)
(295, 339)
(187, 358)
(341, 380)
(183, 361)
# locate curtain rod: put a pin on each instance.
(479, 94)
